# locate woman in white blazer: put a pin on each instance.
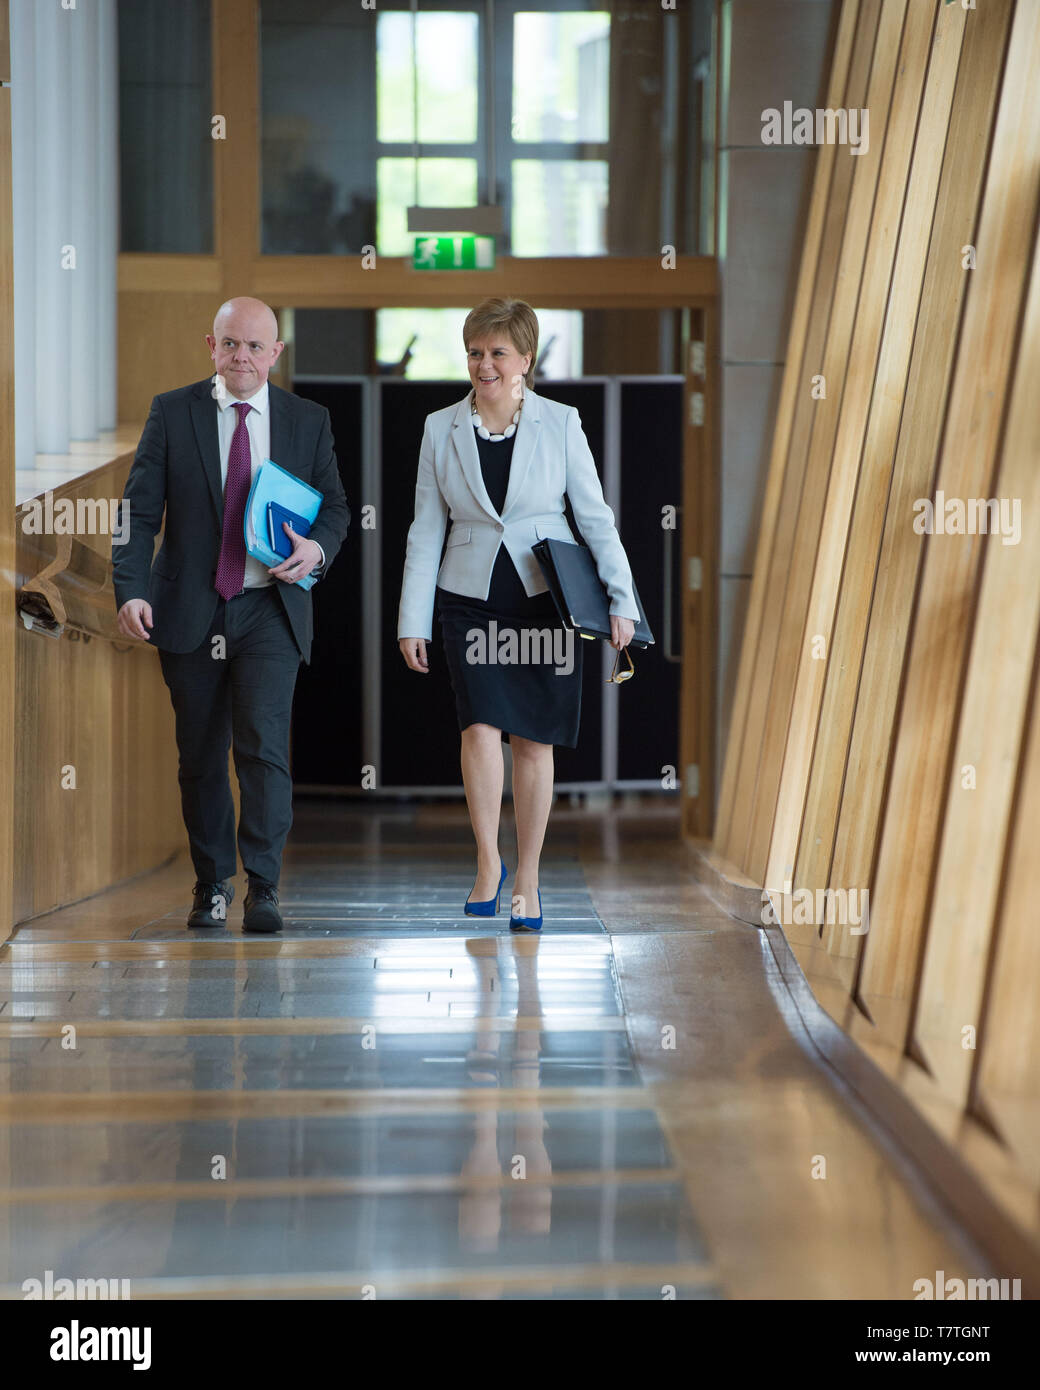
(493, 472)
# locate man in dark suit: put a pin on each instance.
(231, 632)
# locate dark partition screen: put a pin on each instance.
(651, 479)
(326, 730)
(584, 763)
(419, 744)
(420, 733)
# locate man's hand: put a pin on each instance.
(306, 556)
(134, 613)
(413, 649)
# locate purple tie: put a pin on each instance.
(231, 567)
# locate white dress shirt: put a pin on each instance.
(258, 427)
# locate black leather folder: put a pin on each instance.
(579, 594)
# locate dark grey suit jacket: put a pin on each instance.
(177, 470)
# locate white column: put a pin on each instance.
(65, 179)
(82, 219)
(107, 212)
(23, 197)
(53, 126)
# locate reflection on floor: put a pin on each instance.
(391, 1100)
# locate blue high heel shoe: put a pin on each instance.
(527, 923)
(489, 908)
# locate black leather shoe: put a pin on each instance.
(211, 903)
(261, 909)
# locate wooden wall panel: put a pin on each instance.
(815, 287)
(993, 718)
(700, 544)
(903, 879)
(863, 682)
(854, 768)
(235, 37)
(787, 465)
(101, 709)
(167, 308)
(162, 345)
(1006, 1091)
(871, 404)
(63, 833)
(106, 715)
(834, 368)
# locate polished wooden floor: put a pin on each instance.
(392, 1097)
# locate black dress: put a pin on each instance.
(523, 675)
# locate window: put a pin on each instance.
(366, 112)
(426, 78)
(563, 62)
(559, 206)
(561, 73)
(433, 339)
(430, 181)
(165, 146)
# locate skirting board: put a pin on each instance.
(945, 1172)
(953, 1180)
(735, 893)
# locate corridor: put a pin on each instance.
(389, 1100)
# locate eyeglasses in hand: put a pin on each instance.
(616, 676)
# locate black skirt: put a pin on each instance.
(511, 662)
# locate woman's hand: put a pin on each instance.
(622, 630)
(413, 649)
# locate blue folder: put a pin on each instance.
(277, 537)
(274, 484)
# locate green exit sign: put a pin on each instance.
(454, 253)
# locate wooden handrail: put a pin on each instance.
(65, 576)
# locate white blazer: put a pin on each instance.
(551, 456)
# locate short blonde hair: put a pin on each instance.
(514, 315)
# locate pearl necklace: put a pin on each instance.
(484, 432)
